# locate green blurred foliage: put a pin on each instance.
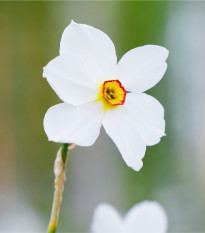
(30, 36)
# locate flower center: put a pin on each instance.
(112, 94)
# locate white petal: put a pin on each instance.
(69, 124)
(70, 79)
(106, 219)
(147, 216)
(149, 116)
(142, 68)
(93, 45)
(121, 127)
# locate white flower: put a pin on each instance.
(97, 91)
(148, 216)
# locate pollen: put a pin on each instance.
(112, 94)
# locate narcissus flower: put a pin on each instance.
(148, 216)
(96, 91)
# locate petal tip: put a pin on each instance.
(44, 72)
(167, 53)
(137, 167)
(72, 22)
(163, 49)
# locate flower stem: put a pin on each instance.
(60, 177)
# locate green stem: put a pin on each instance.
(64, 151)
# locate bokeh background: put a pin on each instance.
(174, 170)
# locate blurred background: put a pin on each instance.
(174, 170)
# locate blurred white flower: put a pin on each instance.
(148, 216)
(97, 91)
(19, 217)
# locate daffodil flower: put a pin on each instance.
(147, 216)
(96, 91)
